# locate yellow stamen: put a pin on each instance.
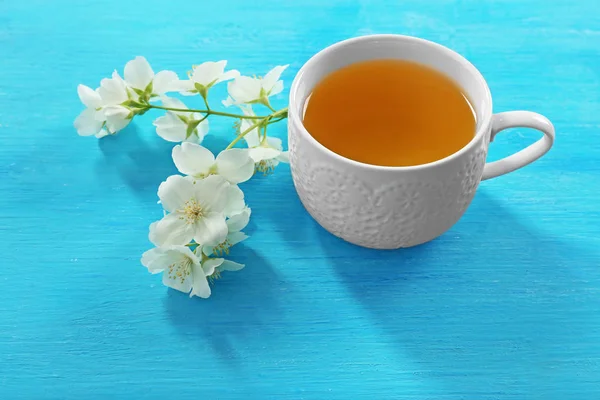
(222, 248)
(265, 166)
(179, 271)
(214, 276)
(192, 211)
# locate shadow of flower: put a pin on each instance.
(141, 162)
(243, 306)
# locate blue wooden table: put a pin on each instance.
(506, 305)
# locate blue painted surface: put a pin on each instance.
(504, 306)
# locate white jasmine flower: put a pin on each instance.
(91, 120)
(267, 152)
(196, 210)
(115, 95)
(141, 78)
(246, 124)
(235, 201)
(235, 224)
(105, 107)
(179, 126)
(247, 90)
(113, 91)
(213, 270)
(204, 76)
(226, 265)
(102, 133)
(235, 165)
(183, 270)
(117, 118)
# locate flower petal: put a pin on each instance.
(228, 101)
(231, 266)
(159, 258)
(102, 133)
(252, 138)
(247, 110)
(87, 124)
(113, 91)
(244, 89)
(271, 78)
(170, 127)
(165, 81)
(200, 132)
(152, 231)
(200, 285)
(231, 74)
(259, 154)
(185, 87)
(138, 73)
(238, 221)
(234, 202)
(116, 111)
(235, 165)
(276, 89)
(209, 266)
(210, 193)
(208, 72)
(173, 229)
(193, 159)
(175, 191)
(179, 276)
(284, 157)
(236, 237)
(274, 143)
(172, 102)
(211, 229)
(117, 118)
(150, 257)
(89, 97)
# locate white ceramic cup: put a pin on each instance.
(391, 207)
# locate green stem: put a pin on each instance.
(281, 114)
(207, 112)
(206, 102)
(262, 121)
(265, 131)
(272, 121)
(241, 135)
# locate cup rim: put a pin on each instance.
(482, 127)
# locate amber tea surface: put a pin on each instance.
(390, 113)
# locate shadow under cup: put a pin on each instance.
(386, 207)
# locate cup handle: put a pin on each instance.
(513, 119)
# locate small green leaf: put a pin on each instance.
(202, 90)
(211, 84)
(192, 125)
(139, 92)
(149, 88)
(264, 100)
